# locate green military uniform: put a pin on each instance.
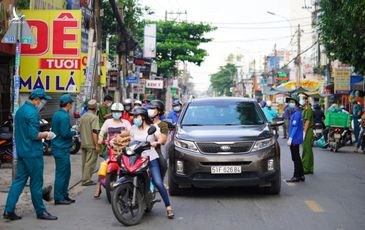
(102, 112)
(307, 156)
(88, 122)
(29, 154)
(61, 146)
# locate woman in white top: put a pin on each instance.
(113, 127)
(141, 124)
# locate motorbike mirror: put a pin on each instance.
(76, 115)
(151, 130)
(96, 131)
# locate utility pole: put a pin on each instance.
(97, 91)
(298, 61)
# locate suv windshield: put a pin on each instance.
(222, 113)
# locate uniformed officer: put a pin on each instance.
(28, 142)
(296, 139)
(61, 146)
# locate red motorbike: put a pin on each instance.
(133, 193)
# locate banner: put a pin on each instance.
(149, 44)
(342, 80)
(54, 62)
(154, 84)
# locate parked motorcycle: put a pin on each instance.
(318, 131)
(6, 141)
(133, 193)
(338, 137)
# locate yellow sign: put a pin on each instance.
(54, 62)
(102, 68)
(306, 84)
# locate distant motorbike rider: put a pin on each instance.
(269, 112)
(61, 146)
(356, 115)
(128, 106)
(137, 104)
(173, 116)
(318, 115)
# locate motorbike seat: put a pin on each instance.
(6, 136)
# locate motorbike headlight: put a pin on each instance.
(186, 145)
(261, 144)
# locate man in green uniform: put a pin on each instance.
(307, 156)
(61, 146)
(104, 113)
(89, 142)
(29, 148)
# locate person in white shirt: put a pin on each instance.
(113, 127)
(141, 124)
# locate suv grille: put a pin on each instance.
(237, 147)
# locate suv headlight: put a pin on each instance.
(261, 144)
(186, 145)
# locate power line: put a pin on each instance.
(304, 51)
(237, 23)
(260, 28)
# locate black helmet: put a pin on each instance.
(157, 104)
(140, 111)
(108, 98)
(176, 102)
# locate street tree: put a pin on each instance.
(342, 31)
(133, 13)
(222, 81)
(178, 41)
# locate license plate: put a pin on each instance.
(225, 169)
(337, 135)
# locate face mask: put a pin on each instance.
(41, 105)
(292, 105)
(177, 108)
(128, 108)
(137, 122)
(137, 106)
(151, 113)
(117, 115)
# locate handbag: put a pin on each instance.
(103, 169)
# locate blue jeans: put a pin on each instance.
(157, 181)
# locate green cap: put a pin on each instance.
(39, 93)
(66, 98)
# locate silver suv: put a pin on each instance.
(223, 142)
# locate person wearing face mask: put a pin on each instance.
(173, 116)
(296, 139)
(61, 146)
(137, 104)
(141, 124)
(155, 110)
(112, 127)
(307, 155)
(126, 115)
(269, 112)
(28, 140)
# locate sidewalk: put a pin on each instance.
(25, 203)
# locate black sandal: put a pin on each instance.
(97, 196)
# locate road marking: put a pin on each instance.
(314, 206)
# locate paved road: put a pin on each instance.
(333, 198)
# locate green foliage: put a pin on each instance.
(342, 31)
(22, 4)
(222, 81)
(178, 41)
(133, 12)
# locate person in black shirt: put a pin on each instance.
(318, 115)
